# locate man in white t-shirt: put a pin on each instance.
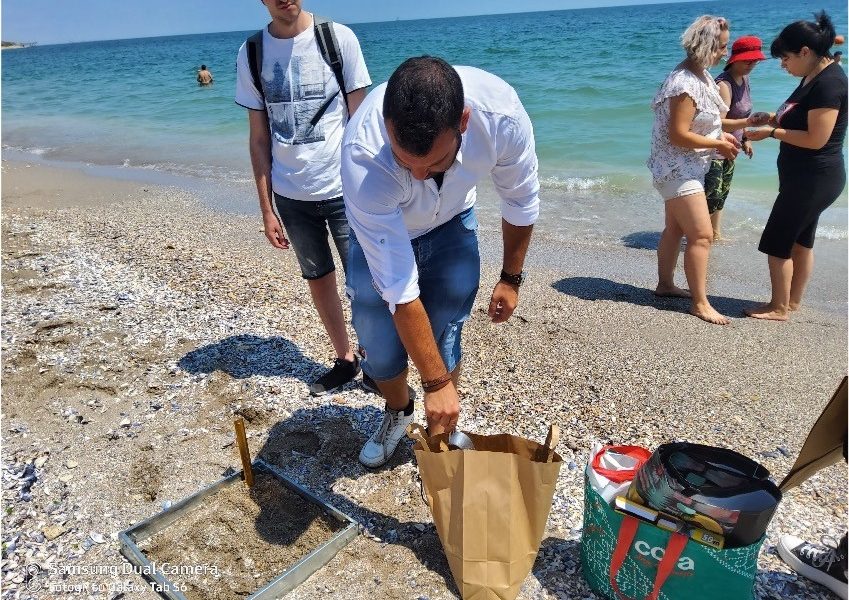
(296, 123)
(411, 159)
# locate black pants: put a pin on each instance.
(804, 192)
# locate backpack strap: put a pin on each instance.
(329, 47)
(254, 47)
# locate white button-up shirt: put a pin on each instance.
(387, 207)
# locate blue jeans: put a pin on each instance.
(448, 261)
(306, 223)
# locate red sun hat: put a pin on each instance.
(747, 47)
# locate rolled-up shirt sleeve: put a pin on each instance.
(516, 172)
(372, 205)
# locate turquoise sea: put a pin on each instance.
(131, 107)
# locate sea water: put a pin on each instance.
(586, 77)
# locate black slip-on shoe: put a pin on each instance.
(342, 372)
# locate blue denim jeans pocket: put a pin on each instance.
(468, 219)
(448, 262)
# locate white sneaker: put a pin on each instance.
(382, 444)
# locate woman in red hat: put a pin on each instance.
(734, 89)
(811, 126)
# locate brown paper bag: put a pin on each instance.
(824, 445)
(489, 505)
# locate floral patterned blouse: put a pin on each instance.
(668, 162)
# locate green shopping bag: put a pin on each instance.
(623, 557)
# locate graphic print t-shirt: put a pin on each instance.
(826, 90)
(297, 83)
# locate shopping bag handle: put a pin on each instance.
(551, 441)
(417, 433)
(627, 532)
(640, 454)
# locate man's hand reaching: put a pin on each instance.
(442, 409)
(274, 231)
(505, 299)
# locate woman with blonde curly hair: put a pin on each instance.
(687, 133)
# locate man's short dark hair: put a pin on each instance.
(424, 98)
(203, 67)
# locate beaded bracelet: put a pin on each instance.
(436, 384)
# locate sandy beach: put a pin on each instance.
(137, 322)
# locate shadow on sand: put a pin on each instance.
(597, 288)
(641, 240)
(243, 356)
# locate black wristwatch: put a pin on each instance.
(513, 279)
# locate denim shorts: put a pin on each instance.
(306, 223)
(448, 261)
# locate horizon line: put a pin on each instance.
(150, 37)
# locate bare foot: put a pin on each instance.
(795, 306)
(766, 311)
(671, 291)
(708, 313)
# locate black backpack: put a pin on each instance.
(329, 48)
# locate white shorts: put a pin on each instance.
(679, 187)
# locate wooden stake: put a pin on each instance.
(245, 454)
